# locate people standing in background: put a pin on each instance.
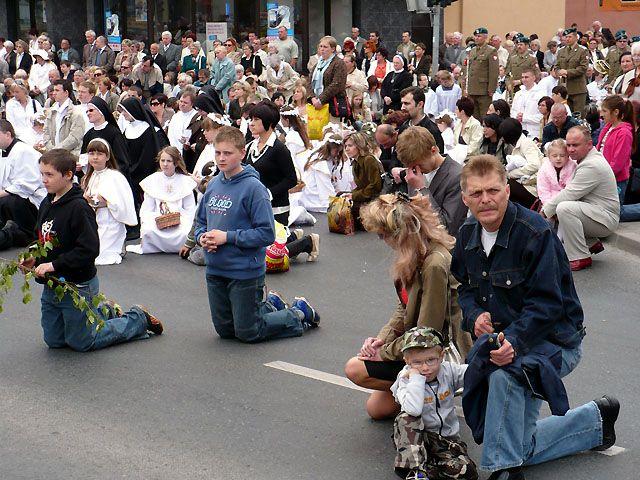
(481, 73)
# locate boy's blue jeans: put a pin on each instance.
(514, 436)
(238, 310)
(64, 325)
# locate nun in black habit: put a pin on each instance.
(104, 126)
(144, 138)
(205, 103)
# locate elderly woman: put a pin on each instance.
(468, 131)
(328, 79)
(280, 77)
(124, 54)
(631, 80)
(356, 79)
(250, 61)
(381, 67)
(394, 83)
(223, 73)
(194, 62)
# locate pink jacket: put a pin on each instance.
(548, 184)
(617, 148)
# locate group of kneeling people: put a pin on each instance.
(502, 293)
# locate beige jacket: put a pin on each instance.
(432, 302)
(472, 135)
(71, 130)
(528, 173)
(593, 183)
(287, 79)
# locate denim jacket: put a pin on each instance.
(525, 283)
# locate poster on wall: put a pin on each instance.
(216, 31)
(619, 5)
(279, 14)
(112, 29)
(141, 10)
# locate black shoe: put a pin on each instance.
(133, 233)
(609, 409)
(18, 237)
(514, 473)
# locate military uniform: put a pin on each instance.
(481, 77)
(613, 59)
(575, 60)
(516, 64)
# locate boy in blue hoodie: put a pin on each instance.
(234, 226)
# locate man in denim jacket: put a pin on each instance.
(515, 278)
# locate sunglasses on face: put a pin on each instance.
(97, 74)
(155, 104)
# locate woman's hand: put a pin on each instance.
(387, 100)
(371, 349)
(316, 103)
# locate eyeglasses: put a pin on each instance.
(154, 104)
(429, 362)
(228, 44)
(97, 74)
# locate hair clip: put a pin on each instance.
(403, 197)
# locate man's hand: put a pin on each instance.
(42, 270)
(387, 100)
(505, 354)
(483, 324)
(414, 178)
(207, 243)
(412, 371)
(562, 73)
(395, 172)
(370, 348)
(27, 264)
(184, 251)
(316, 103)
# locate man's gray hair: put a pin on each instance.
(167, 33)
(584, 130)
(8, 44)
(90, 32)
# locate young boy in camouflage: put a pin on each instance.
(426, 430)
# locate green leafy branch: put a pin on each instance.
(95, 309)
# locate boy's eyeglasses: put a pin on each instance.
(429, 362)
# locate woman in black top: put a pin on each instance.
(394, 83)
(271, 158)
(492, 144)
(250, 60)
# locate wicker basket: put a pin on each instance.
(167, 219)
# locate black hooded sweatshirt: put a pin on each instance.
(72, 223)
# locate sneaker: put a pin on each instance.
(299, 233)
(275, 299)
(609, 409)
(153, 324)
(311, 318)
(417, 474)
(18, 237)
(315, 249)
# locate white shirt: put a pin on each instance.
(526, 102)
(22, 119)
(488, 240)
(177, 126)
(547, 84)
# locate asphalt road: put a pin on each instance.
(188, 405)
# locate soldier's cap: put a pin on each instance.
(635, 39)
(621, 35)
(481, 31)
(567, 31)
(522, 39)
(422, 337)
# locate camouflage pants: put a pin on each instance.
(439, 457)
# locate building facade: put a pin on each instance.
(308, 20)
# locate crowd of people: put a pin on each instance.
(211, 151)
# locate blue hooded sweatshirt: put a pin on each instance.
(241, 207)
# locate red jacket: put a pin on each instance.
(617, 148)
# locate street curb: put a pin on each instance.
(625, 238)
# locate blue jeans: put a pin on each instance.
(514, 436)
(622, 188)
(238, 310)
(64, 325)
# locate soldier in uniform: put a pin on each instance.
(572, 64)
(518, 61)
(614, 53)
(481, 72)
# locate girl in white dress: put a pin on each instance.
(171, 186)
(296, 138)
(108, 192)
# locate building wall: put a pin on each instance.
(584, 12)
(543, 17)
(389, 17)
(4, 31)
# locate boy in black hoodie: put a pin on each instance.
(66, 219)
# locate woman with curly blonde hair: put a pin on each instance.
(426, 291)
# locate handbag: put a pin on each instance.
(167, 219)
(340, 107)
(340, 216)
(316, 121)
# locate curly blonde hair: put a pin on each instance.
(410, 226)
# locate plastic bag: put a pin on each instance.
(340, 216)
(277, 256)
(317, 119)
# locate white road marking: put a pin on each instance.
(316, 375)
(345, 382)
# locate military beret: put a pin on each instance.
(635, 39)
(621, 35)
(522, 39)
(421, 337)
(567, 31)
(481, 31)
